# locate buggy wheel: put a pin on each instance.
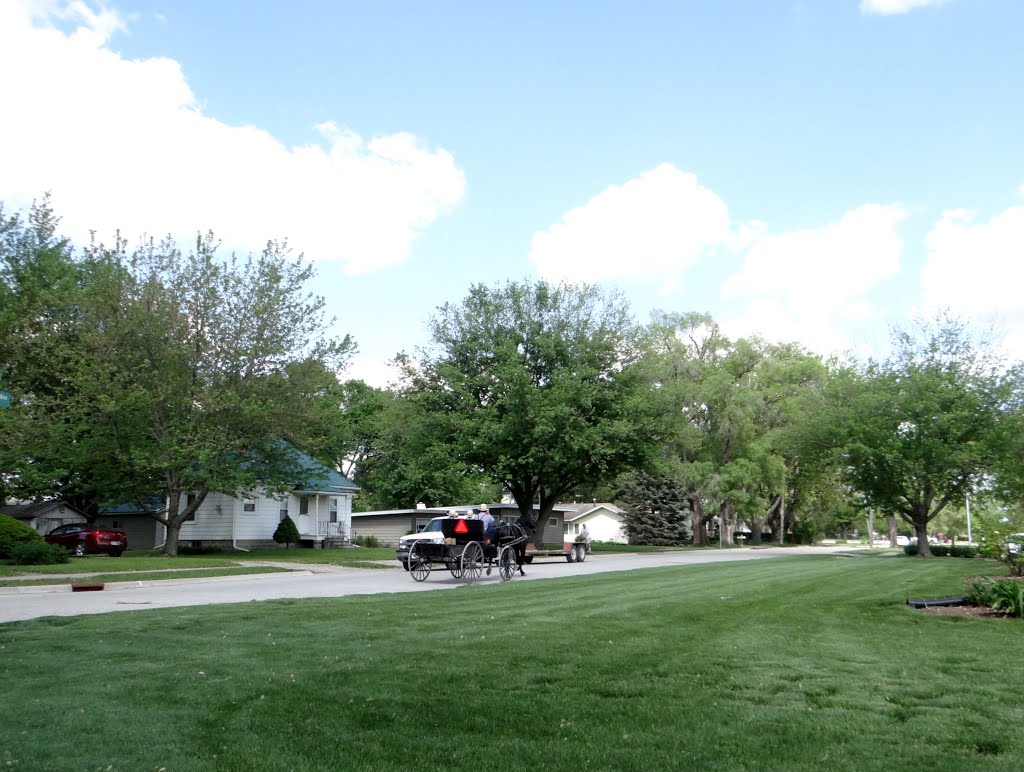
(472, 562)
(416, 564)
(455, 566)
(420, 569)
(506, 563)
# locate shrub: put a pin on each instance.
(14, 532)
(286, 532)
(962, 551)
(940, 550)
(38, 553)
(910, 549)
(805, 532)
(978, 592)
(367, 541)
(1008, 596)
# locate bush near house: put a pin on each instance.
(14, 532)
(287, 533)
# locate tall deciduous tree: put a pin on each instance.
(918, 427)
(538, 386)
(161, 372)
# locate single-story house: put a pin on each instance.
(321, 508)
(603, 520)
(389, 525)
(44, 516)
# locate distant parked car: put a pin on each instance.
(1013, 544)
(903, 541)
(83, 539)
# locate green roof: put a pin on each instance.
(320, 478)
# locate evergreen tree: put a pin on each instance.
(286, 533)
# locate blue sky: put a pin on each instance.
(810, 170)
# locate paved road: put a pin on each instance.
(33, 602)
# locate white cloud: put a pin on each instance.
(808, 285)
(977, 270)
(125, 143)
(893, 7)
(652, 227)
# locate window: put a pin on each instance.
(553, 521)
(304, 505)
(283, 511)
(115, 524)
(576, 528)
(333, 510)
(249, 505)
(190, 499)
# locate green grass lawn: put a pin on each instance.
(791, 664)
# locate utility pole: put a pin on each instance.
(969, 539)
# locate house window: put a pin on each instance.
(576, 528)
(283, 511)
(333, 510)
(115, 523)
(249, 505)
(553, 521)
(190, 499)
(304, 505)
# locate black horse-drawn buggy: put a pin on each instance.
(467, 552)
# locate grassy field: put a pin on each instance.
(788, 664)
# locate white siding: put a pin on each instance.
(387, 528)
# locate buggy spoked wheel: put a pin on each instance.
(507, 563)
(472, 562)
(455, 566)
(420, 569)
(419, 566)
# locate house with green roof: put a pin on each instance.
(320, 504)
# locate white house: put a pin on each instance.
(321, 508)
(604, 521)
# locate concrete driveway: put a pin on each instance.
(18, 603)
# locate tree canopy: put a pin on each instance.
(538, 385)
(155, 370)
(915, 431)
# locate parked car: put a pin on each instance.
(83, 539)
(1013, 544)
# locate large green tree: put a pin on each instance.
(538, 386)
(162, 372)
(727, 407)
(394, 448)
(919, 428)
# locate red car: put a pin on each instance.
(83, 538)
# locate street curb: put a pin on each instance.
(49, 588)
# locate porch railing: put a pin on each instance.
(331, 530)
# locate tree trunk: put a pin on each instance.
(756, 526)
(697, 518)
(891, 520)
(726, 522)
(921, 529)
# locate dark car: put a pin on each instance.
(83, 538)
